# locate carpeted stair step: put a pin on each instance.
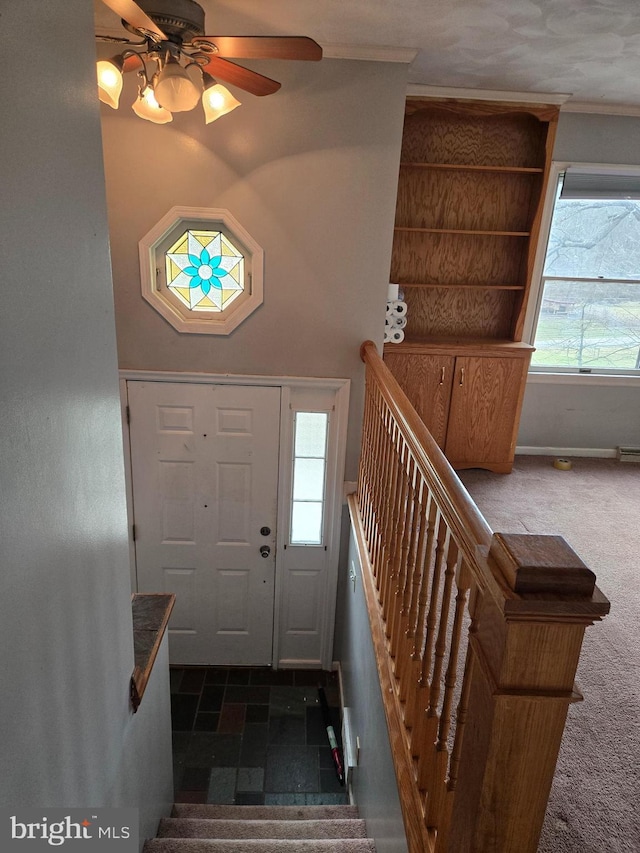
(217, 812)
(260, 845)
(195, 828)
(291, 829)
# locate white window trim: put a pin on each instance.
(569, 375)
(152, 278)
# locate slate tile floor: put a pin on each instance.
(253, 736)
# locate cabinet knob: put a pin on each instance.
(442, 376)
(462, 376)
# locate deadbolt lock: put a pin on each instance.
(265, 531)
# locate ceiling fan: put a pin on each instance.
(188, 61)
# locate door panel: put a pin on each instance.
(204, 474)
(484, 407)
(426, 380)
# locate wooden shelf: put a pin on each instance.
(459, 345)
(473, 232)
(461, 167)
(150, 614)
(470, 188)
(451, 285)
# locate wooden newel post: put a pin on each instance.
(525, 642)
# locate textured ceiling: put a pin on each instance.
(588, 49)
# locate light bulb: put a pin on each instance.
(147, 107)
(217, 100)
(109, 73)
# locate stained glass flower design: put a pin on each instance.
(205, 270)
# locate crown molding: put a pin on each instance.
(370, 52)
(420, 90)
(562, 100)
(601, 109)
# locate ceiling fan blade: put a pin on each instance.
(133, 14)
(250, 81)
(265, 47)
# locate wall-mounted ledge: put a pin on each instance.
(151, 614)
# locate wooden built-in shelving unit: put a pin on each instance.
(469, 204)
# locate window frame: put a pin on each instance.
(606, 375)
(323, 501)
(163, 235)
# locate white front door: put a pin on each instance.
(205, 478)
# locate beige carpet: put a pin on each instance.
(261, 829)
(595, 800)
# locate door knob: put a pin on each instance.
(265, 551)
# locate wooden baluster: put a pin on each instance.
(444, 824)
(366, 456)
(369, 434)
(419, 628)
(382, 477)
(390, 500)
(395, 534)
(398, 532)
(422, 693)
(397, 623)
(427, 768)
(437, 795)
(362, 466)
(372, 520)
(412, 587)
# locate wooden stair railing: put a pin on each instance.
(477, 637)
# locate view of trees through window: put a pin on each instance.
(590, 310)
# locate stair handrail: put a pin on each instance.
(430, 560)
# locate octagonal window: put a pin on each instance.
(201, 270)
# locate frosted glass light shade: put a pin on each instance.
(148, 108)
(217, 101)
(109, 82)
(175, 90)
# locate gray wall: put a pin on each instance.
(311, 173)
(583, 415)
(374, 780)
(66, 657)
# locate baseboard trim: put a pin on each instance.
(595, 452)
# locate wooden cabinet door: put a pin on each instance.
(485, 406)
(426, 380)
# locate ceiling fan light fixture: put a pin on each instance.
(147, 107)
(175, 90)
(217, 100)
(173, 36)
(109, 72)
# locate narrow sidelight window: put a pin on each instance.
(309, 478)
